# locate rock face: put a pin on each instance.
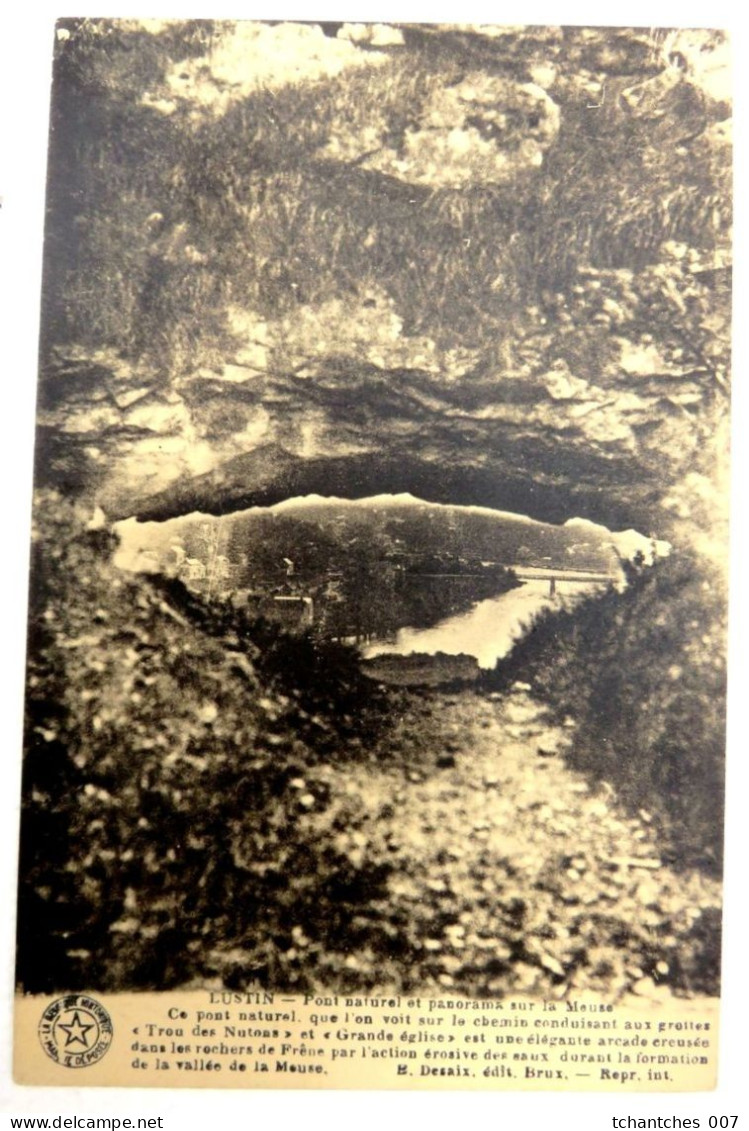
(440, 272)
(538, 440)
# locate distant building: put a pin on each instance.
(293, 612)
(192, 569)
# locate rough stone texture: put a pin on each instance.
(591, 385)
(482, 130)
(352, 417)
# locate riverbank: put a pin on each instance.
(421, 669)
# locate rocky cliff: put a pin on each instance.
(481, 265)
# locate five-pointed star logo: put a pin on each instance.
(76, 1031)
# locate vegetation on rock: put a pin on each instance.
(449, 242)
(642, 676)
(170, 760)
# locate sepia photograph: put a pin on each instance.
(378, 592)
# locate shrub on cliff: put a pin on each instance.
(176, 794)
(642, 673)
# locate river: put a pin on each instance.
(489, 629)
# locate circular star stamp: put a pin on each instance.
(75, 1031)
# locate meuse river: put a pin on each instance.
(489, 629)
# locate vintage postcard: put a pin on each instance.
(375, 690)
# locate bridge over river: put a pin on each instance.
(554, 575)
